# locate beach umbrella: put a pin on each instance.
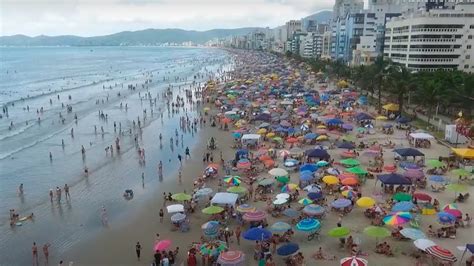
(257, 234)
(357, 170)
(377, 231)
(243, 208)
(264, 157)
(211, 169)
(412, 233)
(347, 175)
(409, 165)
(350, 162)
(322, 163)
(280, 201)
(278, 172)
(236, 135)
(391, 168)
(282, 196)
(461, 172)
(283, 153)
(178, 217)
(212, 248)
(353, 261)
(437, 178)
(381, 117)
(341, 203)
(212, 210)
(181, 197)
(175, 208)
(423, 244)
(254, 216)
(287, 249)
(280, 227)
(434, 163)
(446, 218)
(428, 209)
(422, 196)
(339, 232)
(306, 176)
(289, 187)
(403, 206)
(308, 225)
(237, 190)
(305, 201)
(365, 202)
(397, 218)
(232, 180)
(266, 182)
(441, 253)
(348, 193)
(203, 192)
(456, 188)
(322, 137)
(290, 212)
(162, 245)
(346, 145)
(244, 164)
(310, 136)
(347, 127)
(313, 188)
(454, 212)
(283, 179)
(211, 228)
(262, 131)
(210, 224)
(315, 195)
(400, 196)
(313, 209)
(343, 188)
(291, 163)
(414, 173)
(350, 181)
(330, 180)
(308, 167)
(451, 206)
(231, 258)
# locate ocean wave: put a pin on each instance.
(13, 133)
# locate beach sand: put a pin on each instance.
(116, 245)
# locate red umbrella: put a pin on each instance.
(231, 257)
(390, 168)
(441, 253)
(162, 245)
(346, 175)
(291, 140)
(353, 261)
(350, 181)
(456, 213)
(422, 196)
(254, 216)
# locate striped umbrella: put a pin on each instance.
(232, 180)
(280, 227)
(313, 209)
(254, 216)
(243, 164)
(305, 201)
(308, 225)
(245, 208)
(289, 187)
(353, 261)
(441, 253)
(397, 218)
(231, 258)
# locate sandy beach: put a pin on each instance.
(115, 244)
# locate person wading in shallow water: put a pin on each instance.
(138, 249)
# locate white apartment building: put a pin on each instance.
(343, 7)
(293, 26)
(326, 45)
(311, 45)
(437, 39)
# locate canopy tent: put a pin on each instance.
(391, 107)
(394, 179)
(408, 152)
(225, 198)
(250, 138)
(466, 153)
(421, 135)
(317, 153)
(175, 208)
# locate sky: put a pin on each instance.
(99, 17)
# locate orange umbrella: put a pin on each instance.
(350, 181)
(269, 163)
(291, 140)
(347, 175)
(264, 158)
(226, 120)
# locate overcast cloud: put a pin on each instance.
(98, 17)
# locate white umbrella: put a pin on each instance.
(279, 201)
(283, 196)
(423, 244)
(175, 208)
(278, 172)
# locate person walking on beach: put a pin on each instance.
(188, 154)
(138, 249)
(66, 192)
(103, 216)
(180, 159)
(180, 177)
(51, 195)
(58, 194)
(20, 189)
(46, 252)
(34, 250)
(161, 215)
(237, 232)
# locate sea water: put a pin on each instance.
(89, 80)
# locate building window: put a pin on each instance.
(468, 56)
(466, 66)
(469, 37)
(469, 46)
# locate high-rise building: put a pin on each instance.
(311, 45)
(326, 45)
(343, 7)
(434, 39)
(293, 26)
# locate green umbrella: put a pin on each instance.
(237, 190)
(283, 179)
(360, 129)
(339, 232)
(461, 172)
(457, 187)
(212, 210)
(277, 139)
(181, 197)
(348, 138)
(377, 231)
(266, 182)
(400, 196)
(350, 162)
(434, 163)
(356, 170)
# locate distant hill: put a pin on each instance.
(320, 17)
(142, 37)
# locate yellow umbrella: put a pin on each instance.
(464, 152)
(322, 137)
(391, 107)
(365, 202)
(381, 117)
(330, 180)
(321, 127)
(262, 131)
(270, 135)
(207, 108)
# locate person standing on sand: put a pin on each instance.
(51, 195)
(161, 215)
(46, 252)
(34, 250)
(180, 177)
(66, 191)
(237, 231)
(138, 249)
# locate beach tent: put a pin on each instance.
(364, 116)
(175, 208)
(469, 247)
(421, 135)
(464, 153)
(317, 153)
(225, 198)
(250, 139)
(408, 152)
(394, 179)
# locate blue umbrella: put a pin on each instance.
(387, 126)
(290, 213)
(308, 167)
(446, 218)
(306, 176)
(242, 152)
(413, 233)
(308, 225)
(341, 203)
(322, 163)
(317, 153)
(346, 145)
(290, 163)
(403, 206)
(310, 136)
(280, 227)
(334, 121)
(313, 209)
(287, 249)
(409, 165)
(403, 120)
(315, 196)
(236, 135)
(437, 178)
(257, 234)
